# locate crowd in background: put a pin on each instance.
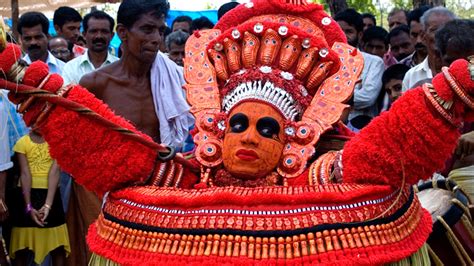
(417, 44)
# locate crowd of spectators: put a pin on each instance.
(414, 48)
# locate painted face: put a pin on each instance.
(254, 140)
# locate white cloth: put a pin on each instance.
(367, 92)
(417, 73)
(55, 65)
(169, 98)
(81, 65)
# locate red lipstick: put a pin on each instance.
(247, 155)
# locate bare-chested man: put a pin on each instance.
(125, 85)
(144, 86)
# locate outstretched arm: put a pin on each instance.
(101, 150)
(413, 139)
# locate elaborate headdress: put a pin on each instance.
(290, 55)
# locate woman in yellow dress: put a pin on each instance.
(41, 227)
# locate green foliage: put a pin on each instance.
(362, 6)
(403, 4)
(462, 8)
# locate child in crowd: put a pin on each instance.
(392, 80)
(38, 220)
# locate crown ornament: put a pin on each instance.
(292, 57)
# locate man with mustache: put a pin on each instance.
(33, 29)
(416, 33)
(401, 46)
(98, 30)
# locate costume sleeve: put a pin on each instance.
(85, 137)
(408, 142)
(97, 157)
(412, 140)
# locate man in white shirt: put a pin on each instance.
(366, 94)
(98, 30)
(33, 28)
(432, 20)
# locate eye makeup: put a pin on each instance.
(268, 127)
(238, 123)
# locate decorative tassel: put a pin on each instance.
(205, 176)
(243, 245)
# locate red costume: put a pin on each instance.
(270, 79)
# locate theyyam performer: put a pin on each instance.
(265, 85)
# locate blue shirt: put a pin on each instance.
(16, 127)
(55, 65)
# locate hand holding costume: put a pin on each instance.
(265, 84)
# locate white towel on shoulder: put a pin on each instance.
(169, 98)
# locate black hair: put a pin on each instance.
(31, 19)
(372, 17)
(416, 14)
(396, 71)
(397, 31)
(351, 17)
(70, 45)
(98, 15)
(81, 38)
(458, 32)
(65, 14)
(130, 11)
(377, 33)
(167, 31)
(187, 19)
(201, 23)
(225, 8)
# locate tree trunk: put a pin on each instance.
(418, 3)
(15, 15)
(336, 6)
